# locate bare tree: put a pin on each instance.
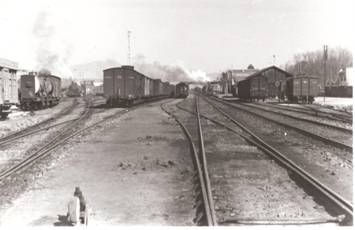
(312, 63)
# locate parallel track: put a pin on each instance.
(338, 204)
(65, 135)
(347, 118)
(278, 112)
(205, 208)
(37, 127)
(305, 132)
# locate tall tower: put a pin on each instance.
(129, 48)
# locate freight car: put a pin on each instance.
(8, 86)
(302, 89)
(126, 86)
(266, 83)
(39, 91)
(182, 90)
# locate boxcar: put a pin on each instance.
(39, 91)
(302, 89)
(8, 87)
(166, 88)
(123, 85)
(157, 87)
(182, 90)
(172, 90)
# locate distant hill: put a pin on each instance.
(92, 70)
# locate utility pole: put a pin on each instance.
(129, 48)
(325, 57)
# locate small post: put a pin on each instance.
(325, 57)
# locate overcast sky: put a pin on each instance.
(207, 35)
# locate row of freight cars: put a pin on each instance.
(122, 85)
(126, 86)
(34, 91)
(274, 82)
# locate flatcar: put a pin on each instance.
(39, 91)
(302, 89)
(182, 90)
(8, 86)
(126, 86)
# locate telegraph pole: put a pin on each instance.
(129, 48)
(325, 57)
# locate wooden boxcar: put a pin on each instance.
(124, 85)
(157, 87)
(182, 90)
(39, 91)
(302, 89)
(8, 86)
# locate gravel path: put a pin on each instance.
(134, 170)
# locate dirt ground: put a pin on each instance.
(135, 170)
(18, 119)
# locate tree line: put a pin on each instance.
(312, 63)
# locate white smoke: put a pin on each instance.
(172, 73)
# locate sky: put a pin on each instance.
(200, 35)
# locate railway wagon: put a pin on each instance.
(302, 89)
(166, 88)
(157, 87)
(269, 82)
(8, 86)
(39, 91)
(124, 86)
(172, 90)
(182, 90)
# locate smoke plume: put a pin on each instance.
(51, 54)
(170, 73)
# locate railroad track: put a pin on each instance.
(334, 203)
(346, 118)
(68, 132)
(265, 107)
(204, 201)
(41, 126)
(304, 131)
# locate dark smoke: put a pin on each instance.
(157, 70)
(47, 56)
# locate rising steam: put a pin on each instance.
(51, 55)
(171, 73)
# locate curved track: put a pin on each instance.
(306, 130)
(205, 207)
(338, 205)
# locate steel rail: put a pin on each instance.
(44, 122)
(337, 219)
(345, 206)
(260, 106)
(204, 163)
(315, 112)
(315, 136)
(207, 217)
(7, 141)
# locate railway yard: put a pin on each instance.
(199, 160)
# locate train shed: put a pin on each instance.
(269, 82)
